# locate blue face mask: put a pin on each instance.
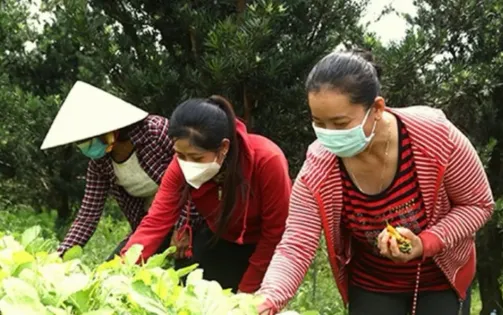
(94, 149)
(347, 142)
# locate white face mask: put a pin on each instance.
(196, 174)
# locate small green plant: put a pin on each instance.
(34, 281)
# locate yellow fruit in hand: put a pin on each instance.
(404, 244)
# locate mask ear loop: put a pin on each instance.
(374, 128)
(372, 133)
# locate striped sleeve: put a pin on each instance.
(297, 248)
(84, 226)
(468, 189)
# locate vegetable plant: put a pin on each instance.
(36, 281)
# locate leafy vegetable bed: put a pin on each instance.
(36, 282)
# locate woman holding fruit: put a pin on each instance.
(239, 183)
(372, 169)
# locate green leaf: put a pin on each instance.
(159, 259)
(10, 306)
(18, 288)
(72, 284)
(73, 253)
(133, 254)
(186, 270)
(22, 260)
(30, 235)
(22, 257)
(21, 298)
(82, 299)
(103, 311)
(144, 275)
(113, 264)
(57, 311)
(147, 299)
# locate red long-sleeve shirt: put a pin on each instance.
(259, 219)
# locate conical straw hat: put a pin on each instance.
(89, 112)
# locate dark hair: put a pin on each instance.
(205, 123)
(353, 73)
(124, 133)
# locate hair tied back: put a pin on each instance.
(369, 57)
(220, 101)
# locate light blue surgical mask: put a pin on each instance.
(94, 149)
(347, 142)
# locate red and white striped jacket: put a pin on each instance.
(457, 197)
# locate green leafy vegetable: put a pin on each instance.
(33, 281)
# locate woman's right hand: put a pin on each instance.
(266, 308)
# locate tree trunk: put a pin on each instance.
(248, 108)
(241, 6)
(7, 170)
(489, 264)
(62, 194)
(64, 211)
(193, 43)
(247, 99)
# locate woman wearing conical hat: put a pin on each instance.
(129, 151)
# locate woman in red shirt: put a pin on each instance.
(239, 183)
(372, 166)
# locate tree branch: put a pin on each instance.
(241, 6)
(118, 11)
(316, 26)
(247, 105)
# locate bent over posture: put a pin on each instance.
(239, 183)
(372, 169)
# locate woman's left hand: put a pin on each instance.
(388, 246)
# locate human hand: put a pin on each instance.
(389, 246)
(266, 308)
(181, 241)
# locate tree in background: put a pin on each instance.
(155, 54)
(257, 53)
(452, 58)
(34, 82)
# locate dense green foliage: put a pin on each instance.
(36, 281)
(257, 53)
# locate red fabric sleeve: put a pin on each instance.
(432, 244)
(275, 192)
(297, 248)
(162, 214)
(468, 189)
